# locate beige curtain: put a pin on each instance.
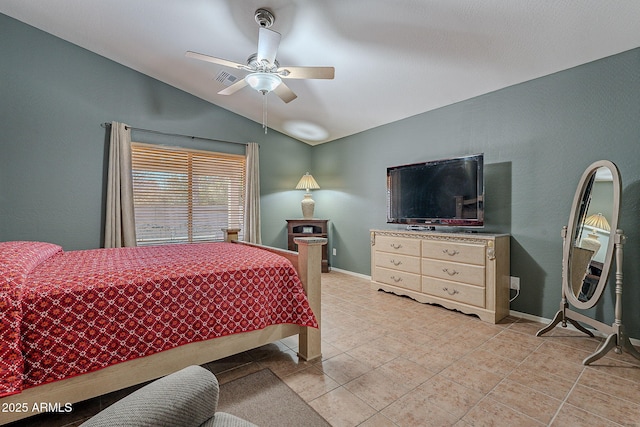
(252, 196)
(119, 229)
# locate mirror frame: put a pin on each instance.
(573, 227)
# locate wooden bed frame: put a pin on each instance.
(307, 262)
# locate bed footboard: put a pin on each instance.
(308, 263)
(309, 270)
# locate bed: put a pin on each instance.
(79, 324)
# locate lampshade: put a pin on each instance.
(263, 82)
(598, 221)
(307, 183)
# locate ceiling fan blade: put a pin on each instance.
(286, 94)
(213, 59)
(268, 41)
(233, 88)
(307, 72)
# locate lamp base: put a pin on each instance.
(308, 205)
(591, 242)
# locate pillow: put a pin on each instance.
(18, 259)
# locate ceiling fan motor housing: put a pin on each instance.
(254, 64)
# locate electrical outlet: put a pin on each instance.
(514, 283)
(335, 252)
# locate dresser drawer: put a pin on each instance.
(466, 273)
(398, 245)
(453, 291)
(410, 264)
(454, 252)
(397, 278)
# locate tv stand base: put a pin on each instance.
(421, 228)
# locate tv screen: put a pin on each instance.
(447, 192)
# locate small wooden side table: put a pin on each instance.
(309, 228)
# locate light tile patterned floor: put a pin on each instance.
(390, 361)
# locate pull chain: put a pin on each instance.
(264, 112)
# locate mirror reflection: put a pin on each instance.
(591, 237)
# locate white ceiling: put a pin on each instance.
(393, 59)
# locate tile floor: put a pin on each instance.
(390, 361)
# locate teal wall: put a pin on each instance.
(53, 98)
(537, 137)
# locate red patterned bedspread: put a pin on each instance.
(84, 310)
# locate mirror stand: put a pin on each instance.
(617, 338)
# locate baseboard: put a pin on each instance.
(351, 273)
(634, 341)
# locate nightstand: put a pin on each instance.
(309, 228)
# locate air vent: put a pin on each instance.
(226, 78)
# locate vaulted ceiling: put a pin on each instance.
(392, 59)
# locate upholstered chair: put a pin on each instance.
(187, 398)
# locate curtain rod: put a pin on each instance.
(105, 124)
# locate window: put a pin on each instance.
(182, 195)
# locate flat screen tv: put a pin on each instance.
(448, 192)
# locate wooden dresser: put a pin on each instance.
(468, 272)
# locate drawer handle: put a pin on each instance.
(450, 253)
(394, 262)
(455, 291)
(395, 246)
(450, 273)
(396, 279)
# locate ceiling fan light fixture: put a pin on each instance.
(263, 82)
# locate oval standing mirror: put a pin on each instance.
(588, 249)
(589, 242)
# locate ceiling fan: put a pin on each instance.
(265, 73)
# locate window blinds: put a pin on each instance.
(182, 195)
